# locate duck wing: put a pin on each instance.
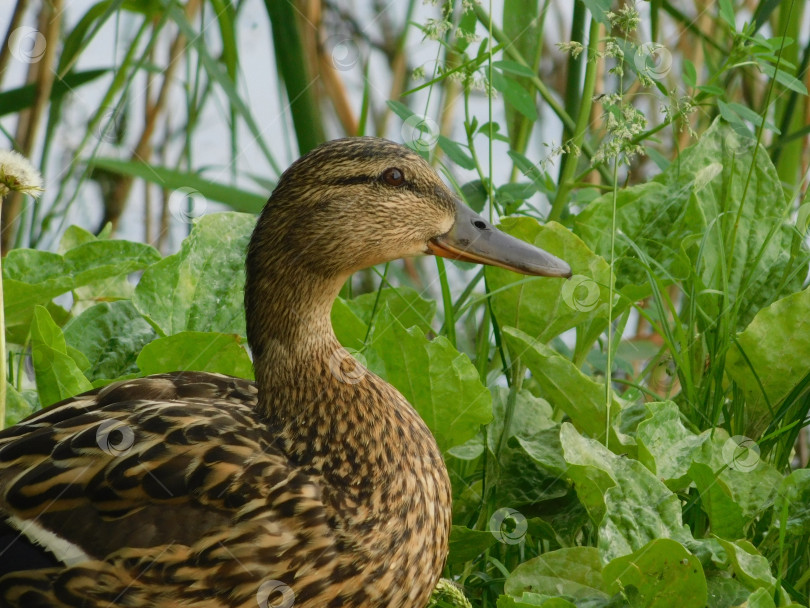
(160, 491)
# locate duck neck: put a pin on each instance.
(291, 337)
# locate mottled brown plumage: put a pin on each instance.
(317, 486)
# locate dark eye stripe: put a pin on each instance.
(351, 180)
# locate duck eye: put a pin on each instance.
(393, 176)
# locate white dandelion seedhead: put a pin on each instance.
(17, 174)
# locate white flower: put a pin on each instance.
(17, 174)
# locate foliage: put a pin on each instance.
(623, 438)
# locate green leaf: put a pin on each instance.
(34, 277)
(513, 67)
(664, 573)
(783, 78)
(725, 591)
(749, 565)
(456, 153)
(751, 481)
(475, 195)
(188, 183)
(689, 74)
(400, 109)
(565, 386)
(440, 382)
(574, 572)
(405, 304)
(196, 351)
(666, 446)
(543, 307)
(630, 504)
(724, 513)
(760, 598)
(349, 329)
(767, 375)
(726, 11)
(57, 375)
(530, 466)
(599, 10)
(15, 100)
(201, 287)
(18, 405)
(466, 544)
(518, 97)
(110, 335)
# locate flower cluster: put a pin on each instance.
(17, 174)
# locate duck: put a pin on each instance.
(307, 487)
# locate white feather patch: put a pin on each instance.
(63, 550)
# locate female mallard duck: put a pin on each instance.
(200, 490)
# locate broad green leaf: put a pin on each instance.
(467, 544)
(525, 475)
(543, 307)
(110, 335)
(750, 481)
(630, 504)
(196, 351)
(189, 183)
(666, 446)
(108, 259)
(749, 566)
(574, 572)
(565, 386)
(725, 591)
(75, 236)
(349, 328)
(760, 598)
(34, 277)
(638, 509)
(57, 375)
(440, 382)
(590, 467)
(725, 515)
(664, 573)
(656, 218)
(18, 404)
(767, 375)
(531, 600)
(405, 304)
(530, 415)
(201, 287)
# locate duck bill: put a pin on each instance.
(474, 239)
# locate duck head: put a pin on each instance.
(353, 203)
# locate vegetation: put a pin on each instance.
(630, 437)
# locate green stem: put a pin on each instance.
(569, 160)
(447, 302)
